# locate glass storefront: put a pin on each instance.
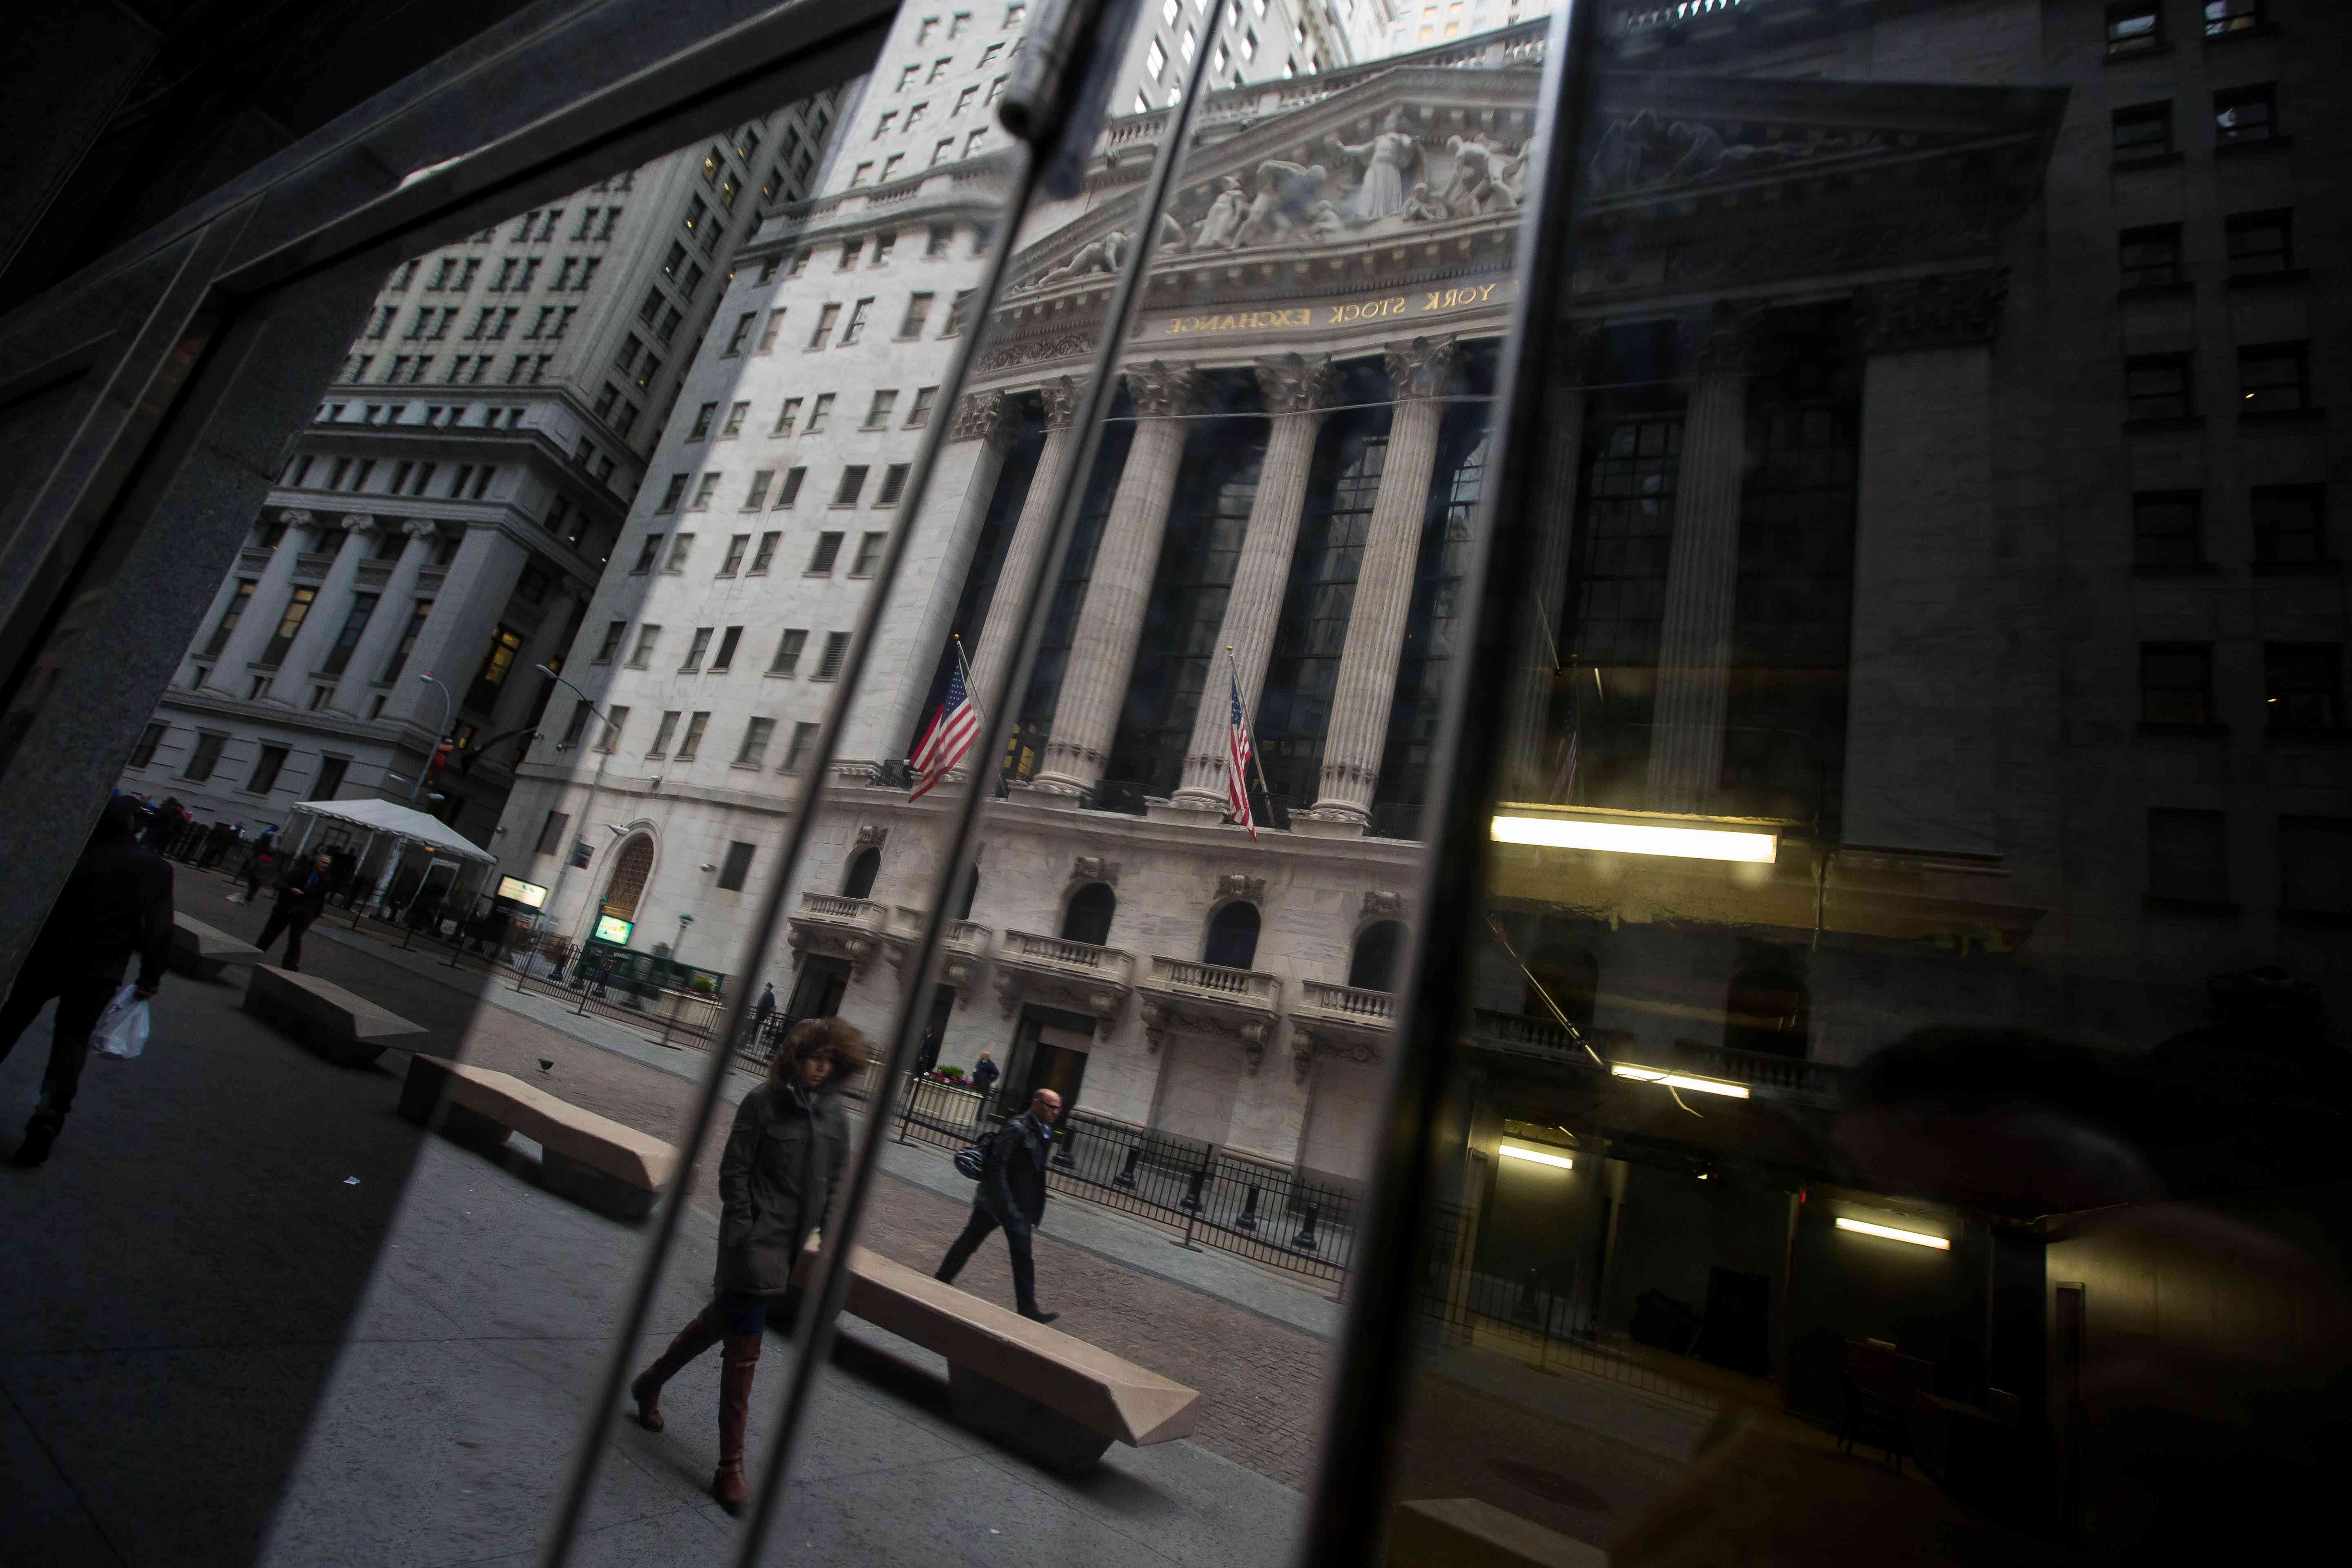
(1608, 747)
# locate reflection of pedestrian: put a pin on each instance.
(782, 1164)
(118, 902)
(301, 895)
(257, 863)
(983, 1076)
(1012, 1195)
(764, 1006)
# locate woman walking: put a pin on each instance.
(782, 1164)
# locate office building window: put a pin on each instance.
(765, 554)
(736, 869)
(2134, 28)
(754, 749)
(550, 828)
(2151, 256)
(820, 412)
(417, 616)
(2260, 244)
(347, 638)
(616, 721)
(738, 545)
(664, 733)
(2303, 686)
(702, 418)
(695, 649)
(2314, 856)
(919, 413)
(206, 756)
(265, 769)
(821, 559)
(736, 414)
(298, 610)
(894, 483)
(642, 654)
(2245, 116)
(791, 492)
(796, 755)
(239, 598)
(724, 659)
(329, 781)
(823, 333)
(837, 650)
(2290, 523)
(869, 555)
(877, 412)
(2143, 130)
(788, 653)
(695, 725)
(613, 632)
(150, 738)
(2274, 379)
(855, 326)
(703, 490)
(2176, 683)
(2158, 387)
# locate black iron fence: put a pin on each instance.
(1220, 1199)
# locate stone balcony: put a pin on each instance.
(1058, 973)
(965, 945)
(1765, 1076)
(1346, 1021)
(839, 927)
(1240, 1004)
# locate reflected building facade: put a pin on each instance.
(451, 507)
(1877, 522)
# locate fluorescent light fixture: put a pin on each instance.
(1537, 1156)
(1914, 1237)
(1639, 838)
(1679, 1080)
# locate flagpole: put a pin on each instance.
(1234, 671)
(965, 670)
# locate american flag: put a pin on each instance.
(1237, 756)
(950, 736)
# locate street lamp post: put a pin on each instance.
(440, 735)
(587, 810)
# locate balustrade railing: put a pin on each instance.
(839, 908)
(1215, 980)
(1106, 961)
(1352, 1003)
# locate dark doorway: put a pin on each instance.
(1232, 937)
(1049, 1051)
(935, 1028)
(818, 991)
(1087, 919)
(1766, 1010)
(864, 867)
(1374, 965)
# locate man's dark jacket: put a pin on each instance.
(302, 890)
(1013, 1177)
(781, 1167)
(117, 904)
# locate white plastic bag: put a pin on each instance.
(121, 1029)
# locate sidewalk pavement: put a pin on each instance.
(249, 1310)
(1122, 1239)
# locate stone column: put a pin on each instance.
(1421, 373)
(326, 612)
(1539, 646)
(474, 590)
(1000, 637)
(914, 626)
(254, 628)
(1297, 394)
(1702, 573)
(1932, 703)
(390, 619)
(1102, 650)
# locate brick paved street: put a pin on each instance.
(1263, 1384)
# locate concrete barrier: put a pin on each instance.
(344, 1027)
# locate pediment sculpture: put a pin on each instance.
(1642, 153)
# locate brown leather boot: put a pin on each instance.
(692, 1341)
(742, 1356)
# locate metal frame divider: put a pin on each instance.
(821, 1309)
(1370, 1391)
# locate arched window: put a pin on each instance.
(1088, 920)
(971, 891)
(864, 867)
(1569, 976)
(627, 884)
(1766, 1010)
(1232, 937)
(1377, 948)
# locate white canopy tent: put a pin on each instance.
(405, 826)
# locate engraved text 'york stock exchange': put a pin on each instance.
(1421, 302)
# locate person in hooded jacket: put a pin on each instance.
(116, 904)
(777, 1178)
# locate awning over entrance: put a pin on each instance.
(411, 826)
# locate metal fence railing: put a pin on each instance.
(1260, 1212)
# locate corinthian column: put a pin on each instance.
(1702, 575)
(1000, 636)
(1423, 373)
(1297, 394)
(914, 625)
(1102, 650)
(1536, 648)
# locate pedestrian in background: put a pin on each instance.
(776, 1179)
(1012, 1195)
(116, 904)
(258, 861)
(302, 896)
(984, 1078)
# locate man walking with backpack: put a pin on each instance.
(1012, 1195)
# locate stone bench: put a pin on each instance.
(1463, 1532)
(590, 1159)
(1044, 1394)
(204, 950)
(347, 1029)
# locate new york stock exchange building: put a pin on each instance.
(1837, 514)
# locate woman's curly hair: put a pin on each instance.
(830, 1038)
